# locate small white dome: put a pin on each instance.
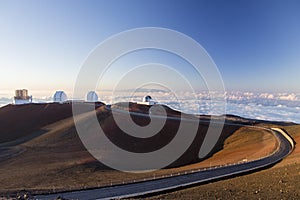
(91, 97)
(60, 97)
(147, 98)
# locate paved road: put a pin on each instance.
(165, 184)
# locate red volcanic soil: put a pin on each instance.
(18, 121)
(163, 137)
(278, 182)
(21, 120)
(40, 148)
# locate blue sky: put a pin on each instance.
(255, 44)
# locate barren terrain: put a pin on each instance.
(40, 151)
(279, 182)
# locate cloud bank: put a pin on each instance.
(264, 106)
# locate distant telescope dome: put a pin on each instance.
(147, 98)
(91, 97)
(60, 97)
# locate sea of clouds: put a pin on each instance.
(264, 106)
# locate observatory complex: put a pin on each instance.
(22, 97)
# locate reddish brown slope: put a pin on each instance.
(57, 159)
(18, 121)
(21, 120)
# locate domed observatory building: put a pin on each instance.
(91, 97)
(147, 100)
(60, 97)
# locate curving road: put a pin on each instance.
(170, 183)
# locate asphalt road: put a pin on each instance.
(174, 182)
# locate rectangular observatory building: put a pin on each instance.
(22, 97)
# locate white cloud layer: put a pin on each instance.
(265, 106)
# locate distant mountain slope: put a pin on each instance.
(18, 121)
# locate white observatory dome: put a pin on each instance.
(91, 97)
(147, 98)
(60, 97)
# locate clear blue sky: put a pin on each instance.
(254, 43)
